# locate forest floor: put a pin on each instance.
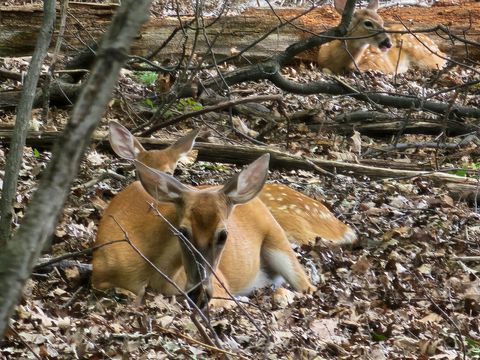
(408, 290)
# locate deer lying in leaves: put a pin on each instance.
(302, 218)
(226, 230)
(222, 228)
(370, 48)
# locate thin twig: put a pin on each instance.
(466, 258)
(318, 168)
(24, 342)
(442, 312)
(74, 254)
(219, 106)
(171, 282)
(73, 298)
(200, 255)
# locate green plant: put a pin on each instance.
(150, 103)
(146, 77)
(473, 347)
(188, 104)
(214, 167)
(466, 168)
(378, 336)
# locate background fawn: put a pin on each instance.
(302, 218)
(370, 48)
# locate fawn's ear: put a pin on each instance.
(339, 5)
(245, 185)
(181, 150)
(159, 185)
(373, 5)
(183, 145)
(123, 142)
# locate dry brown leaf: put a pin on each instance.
(429, 347)
(325, 329)
(356, 142)
(431, 318)
(361, 266)
(98, 203)
(72, 273)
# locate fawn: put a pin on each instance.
(224, 229)
(370, 48)
(408, 51)
(302, 218)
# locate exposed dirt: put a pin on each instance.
(465, 15)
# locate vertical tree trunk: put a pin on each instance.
(24, 114)
(17, 259)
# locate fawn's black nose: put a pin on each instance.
(199, 296)
(385, 44)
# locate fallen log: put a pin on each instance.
(241, 155)
(86, 22)
(380, 124)
(61, 93)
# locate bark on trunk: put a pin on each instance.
(20, 254)
(241, 155)
(24, 114)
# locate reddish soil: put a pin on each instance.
(465, 15)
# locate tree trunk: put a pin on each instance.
(22, 122)
(20, 254)
(20, 24)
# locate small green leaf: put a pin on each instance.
(214, 167)
(379, 337)
(36, 153)
(150, 103)
(472, 342)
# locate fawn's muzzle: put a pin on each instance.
(385, 44)
(200, 296)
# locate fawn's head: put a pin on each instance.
(128, 147)
(202, 217)
(367, 25)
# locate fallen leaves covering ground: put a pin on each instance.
(409, 290)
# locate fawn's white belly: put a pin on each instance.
(262, 279)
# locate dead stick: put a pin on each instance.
(188, 338)
(24, 342)
(442, 313)
(220, 282)
(207, 109)
(74, 254)
(466, 258)
(318, 168)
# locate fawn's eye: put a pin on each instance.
(368, 24)
(222, 237)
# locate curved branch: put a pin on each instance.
(270, 70)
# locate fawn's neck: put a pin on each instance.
(351, 53)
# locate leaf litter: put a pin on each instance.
(410, 289)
